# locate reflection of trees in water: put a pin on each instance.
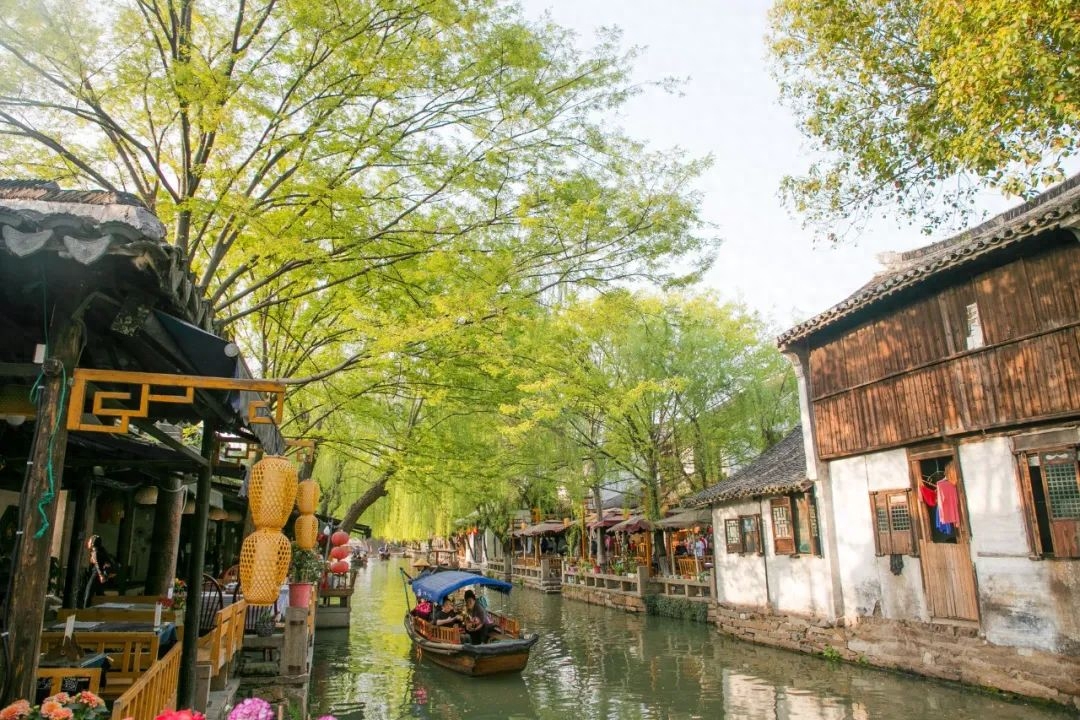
(592, 662)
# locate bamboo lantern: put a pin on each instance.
(306, 530)
(264, 564)
(272, 491)
(307, 497)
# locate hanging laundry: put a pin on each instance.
(942, 527)
(928, 495)
(948, 503)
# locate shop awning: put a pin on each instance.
(685, 519)
(633, 524)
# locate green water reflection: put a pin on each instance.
(597, 663)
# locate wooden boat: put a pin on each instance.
(507, 649)
(384, 553)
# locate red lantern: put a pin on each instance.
(339, 567)
(339, 538)
(340, 552)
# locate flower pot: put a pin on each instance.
(300, 594)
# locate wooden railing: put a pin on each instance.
(224, 640)
(152, 693)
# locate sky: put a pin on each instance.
(729, 108)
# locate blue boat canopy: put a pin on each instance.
(436, 586)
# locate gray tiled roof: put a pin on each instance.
(778, 470)
(1054, 209)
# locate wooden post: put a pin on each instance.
(123, 542)
(44, 472)
(190, 650)
(294, 652)
(80, 530)
(165, 537)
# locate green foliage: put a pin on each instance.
(916, 105)
(678, 608)
(831, 654)
(305, 566)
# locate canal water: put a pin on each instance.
(593, 662)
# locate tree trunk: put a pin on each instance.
(165, 537)
(370, 496)
(37, 509)
(598, 501)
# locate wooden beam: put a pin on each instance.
(37, 505)
(165, 438)
(146, 388)
(196, 560)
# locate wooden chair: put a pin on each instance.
(213, 600)
(131, 653)
(71, 680)
(231, 575)
(688, 567)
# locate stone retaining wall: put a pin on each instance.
(607, 598)
(947, 652)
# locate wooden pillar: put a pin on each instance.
(190, 651)
(81, 526)
(123, 542)
(44, 472)
(165, 537)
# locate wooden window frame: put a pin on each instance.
(759, 548)
(894, 541)
(806, 513)
(1031, 521)
(736, 547)
(783, 544)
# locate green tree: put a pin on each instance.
(916, 105)
(313, 159)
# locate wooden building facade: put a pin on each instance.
(941, 404)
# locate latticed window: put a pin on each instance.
(894, 530)
(1051, 491)
(783, 530)
(733, 536)
(750, 529)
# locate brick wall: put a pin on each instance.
(946, 652)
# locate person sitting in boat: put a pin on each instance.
(423, 610)
(447, 615)
(477, 622)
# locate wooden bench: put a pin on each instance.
(153, 693)
(508, 626)
(131, 654)
(435, 633)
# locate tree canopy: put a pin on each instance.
(916, 105)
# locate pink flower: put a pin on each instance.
(17, 709)
(89, 699)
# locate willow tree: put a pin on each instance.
(916, 105)
(653, 388)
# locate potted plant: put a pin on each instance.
(264, 624)
(305, 569)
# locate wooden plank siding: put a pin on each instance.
(908, 375)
